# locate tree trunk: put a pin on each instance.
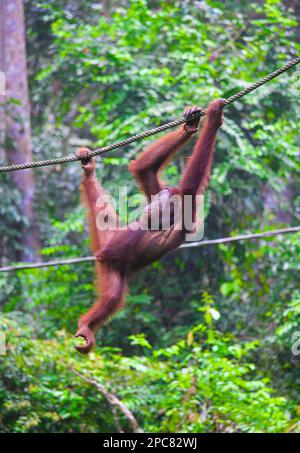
(17, 125)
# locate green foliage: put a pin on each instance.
(202, 383)
(115, 77)
(98, 73)
(261, 298)
(122, 57)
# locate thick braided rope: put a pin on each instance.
(104, 149)
(262, 81)
(156, 130)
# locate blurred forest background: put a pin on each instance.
(205, 341)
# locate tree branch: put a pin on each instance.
(114, 402)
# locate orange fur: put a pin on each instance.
(123, 251)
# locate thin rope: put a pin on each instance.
(241, 237)
(156, 130)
